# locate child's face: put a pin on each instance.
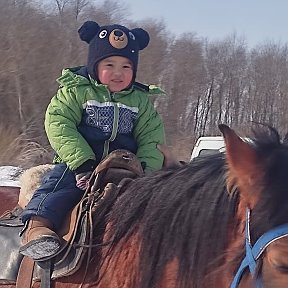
(116, 72)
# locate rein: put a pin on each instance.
(254, 252)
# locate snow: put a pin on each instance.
(9, 176)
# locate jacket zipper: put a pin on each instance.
(114, 128)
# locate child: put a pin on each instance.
(97, 109)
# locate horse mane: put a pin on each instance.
(165, 207)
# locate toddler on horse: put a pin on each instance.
(98, 108)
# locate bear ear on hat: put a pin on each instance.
(142, 37)
(88, 30)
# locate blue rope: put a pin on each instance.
(253, 253)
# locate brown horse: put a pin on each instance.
(194, 225)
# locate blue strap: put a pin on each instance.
(253, 253)
(249, 254)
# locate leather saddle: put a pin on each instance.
(101, 193)
(115, 166)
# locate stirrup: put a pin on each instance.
(41, 248)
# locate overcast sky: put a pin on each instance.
(257, 20)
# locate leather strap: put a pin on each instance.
(46, 272)
(25, 274)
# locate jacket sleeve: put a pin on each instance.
(62, 118)
(149, 131)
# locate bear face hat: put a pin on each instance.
(112, 40)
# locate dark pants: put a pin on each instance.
(56, 196)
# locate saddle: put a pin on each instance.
(104, 186)
(115, 166)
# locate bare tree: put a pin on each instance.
(268, 84)
(226, 66)
(183, 80)
(61, 4)
(206, 82)
(79, 5)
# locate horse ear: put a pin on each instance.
(241, 155)
(243, 164)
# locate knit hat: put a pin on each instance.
(112, 40)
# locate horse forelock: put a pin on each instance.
(182, 214)
(271, 209)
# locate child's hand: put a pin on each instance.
(82, 180)
(170, 159)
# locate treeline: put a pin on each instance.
(207, 82)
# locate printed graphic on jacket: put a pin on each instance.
(104, 115)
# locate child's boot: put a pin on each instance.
(39, 241)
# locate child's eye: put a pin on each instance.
(127, 66)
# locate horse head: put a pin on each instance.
(259, 171)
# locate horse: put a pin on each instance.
(218, 221)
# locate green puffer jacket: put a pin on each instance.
(84, 121)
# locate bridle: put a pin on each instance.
(254, 252)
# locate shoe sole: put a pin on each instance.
(41, 248)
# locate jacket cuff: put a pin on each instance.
(88, 165)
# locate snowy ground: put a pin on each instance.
(9, 176)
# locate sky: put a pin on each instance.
(258, 21)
